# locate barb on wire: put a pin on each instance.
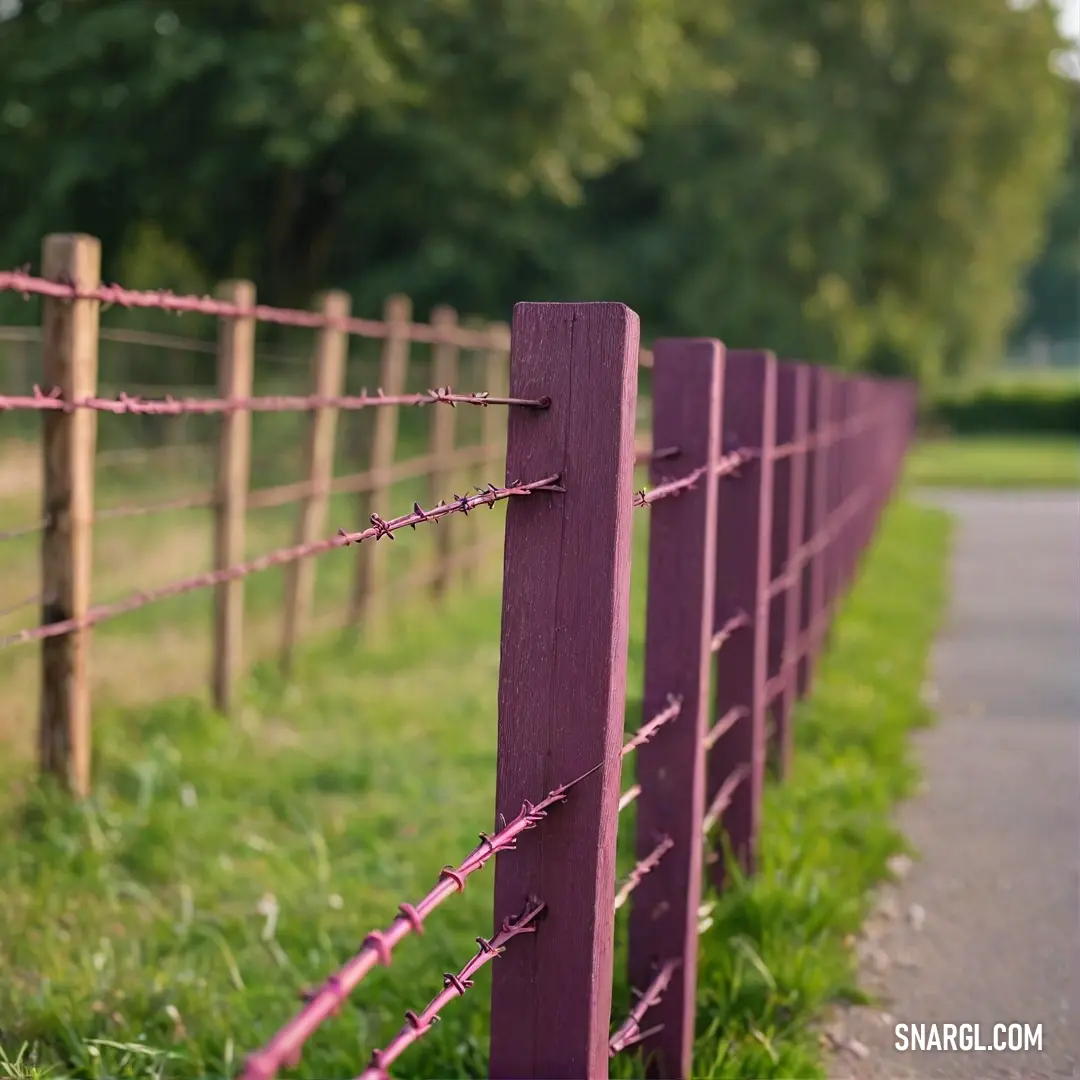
(26, 284)
(736, 622)
(724, 725)
(671, 487)
(648, 730)
(723, 798)
(644, 867)
(628, 796)
(379, 528)
(126, 404)
(419, 1024)
(284, 1048)
(629, 1032)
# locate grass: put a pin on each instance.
(1015, 461)
(166, 927)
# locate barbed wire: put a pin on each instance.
(642, 869)
(723, 798)
(728, 465)
(629, 1032)
(380, 527)
(126, 404)
(26, 284)
(33, 598)
(648, 730)
(419, 1024)
(736, 622)
(284, 1048)
(24, 530)
(724, 725)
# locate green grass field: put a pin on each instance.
(996, 461)
(166, 927)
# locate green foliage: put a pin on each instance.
(855, 181)
(1029, 406)
(166, 927)
(1053, 283)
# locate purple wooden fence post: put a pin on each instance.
(817, 522)
(835, 472)
(788, 611)
(687, 388)
(562, 683)
(742, 581)
(784, 589)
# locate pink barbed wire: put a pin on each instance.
(724, 725)
(643, 868)
(736, 622)
(380, 528)
(419, 1024)
(629, 1032)
(723, 798)
(284, 1048)
(728, 465)
(125, 404)
(649, 729)
(26, 284)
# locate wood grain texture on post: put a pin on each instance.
(687, 387)
(442, 477)
(562, 683)
(236, 367)
(393, 373)
(328, 364)
(69, 354)
(742, 581)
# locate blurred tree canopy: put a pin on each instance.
(855, 181)
(1053, 282)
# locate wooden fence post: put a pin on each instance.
(562, 695)
(393, 372)
(789, 501)
(687, 387)
(69, 356)
(813, 600)
(742, 582)
(441, 477)
(236, 369)
(832, 503)
(328, 371)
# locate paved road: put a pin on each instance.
(997, 825)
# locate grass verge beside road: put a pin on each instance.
(996, 461)
(167, 927)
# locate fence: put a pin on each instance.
(768, 481)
